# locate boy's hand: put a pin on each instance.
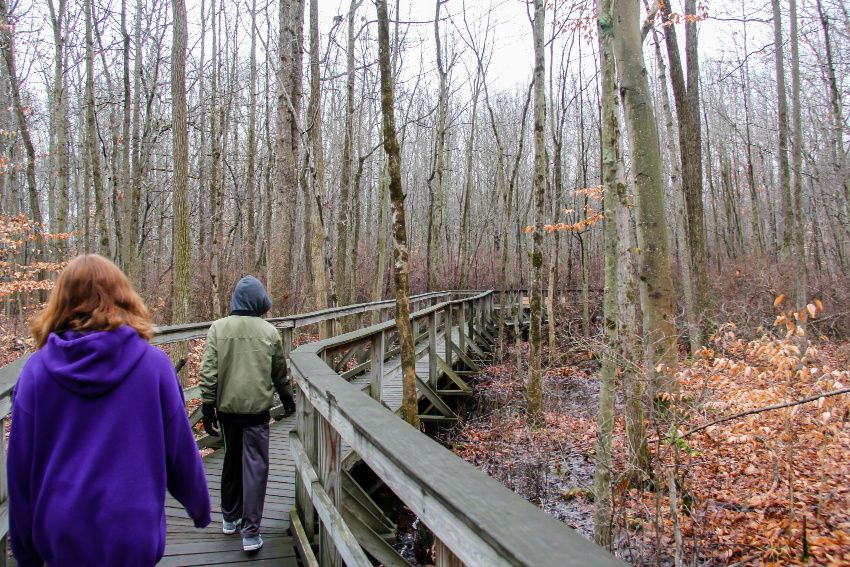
(288, 403)
(209, 420)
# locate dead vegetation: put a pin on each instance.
(769, 488)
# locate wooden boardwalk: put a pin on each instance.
(188, 546)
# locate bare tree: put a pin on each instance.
(656, 282)
(401, 270)
(534, 386)
(182, 244)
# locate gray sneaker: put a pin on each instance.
(252, 543)
(230, 527)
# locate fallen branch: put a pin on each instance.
(764, 409)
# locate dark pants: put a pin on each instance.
(244, 474)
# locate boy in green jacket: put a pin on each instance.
(243, 364)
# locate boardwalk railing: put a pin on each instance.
(177, 333)
(383, 310)
(476, 520)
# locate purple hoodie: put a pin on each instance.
(99, 433)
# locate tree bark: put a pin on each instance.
(436, 222)
(314, 126)
(534, 383)
(784, 168)
(690, 152)
(465, 263)
(182, 245)
(410, 411)
(343, 227)
(656, 282)
(91, 139)
(291, 17)
(249, 254)
(215, 168)
(684, 255)
(59, 107)
(797, 166)
(611, 182)
(7, 33)
(837, 110)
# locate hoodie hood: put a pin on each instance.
(250, 298)
(92, 364)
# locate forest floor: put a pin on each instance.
(733, 478)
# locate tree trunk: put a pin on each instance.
(436, 224)
(249, 253)
(684, 255)
(215, 168)
(380, 264)
(784, 168)
(611, 182)
(694, 200)
(135, 195)
(8, 48)
(465, 264)
(91, 138)
(534, 383)
(401, 270)
(837, 110)
(656, 282)
(129, 238)
(314, 126)
(182, 245)
(345, 212)
(691, 158)
(797, 158)
(59, 107)
(281, 275)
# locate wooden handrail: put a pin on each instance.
(480, 521)
(473, 516)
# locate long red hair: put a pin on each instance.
(91, 294)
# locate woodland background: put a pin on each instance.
(194, 144)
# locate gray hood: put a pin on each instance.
(250, 298)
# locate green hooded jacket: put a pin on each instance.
(244, 360)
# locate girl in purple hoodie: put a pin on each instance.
(99, 431)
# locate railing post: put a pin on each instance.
(443, 556)
(461, 323)
(473, 313)
(329, 475)
(377, 366)
(447, 336)
(520, 305)
(305, 426)
(360, 356)
(414, 327)
(287, 341)
(432, 349)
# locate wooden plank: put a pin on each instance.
(432, 349)
(358, 502)
(443, 556)
(483, 522)
(303, 499)
(447, 370)
(377, 364)
(304, 545)
(466, 360)
(374, 544)
(346, 543)
(329, 477)
(432, 397)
